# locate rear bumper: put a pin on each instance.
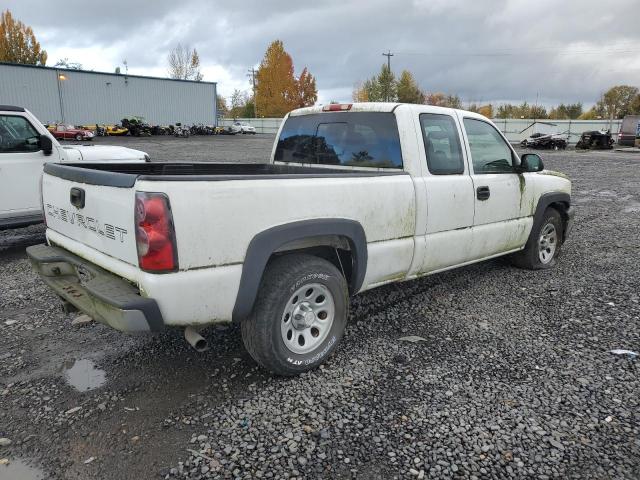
(103, 296)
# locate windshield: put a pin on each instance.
(358, 139)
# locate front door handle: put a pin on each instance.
(483, 193)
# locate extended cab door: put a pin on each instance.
(21, 161)
(499, 224)
(449, 193)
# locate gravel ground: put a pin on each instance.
(513, 378)
(218, 148)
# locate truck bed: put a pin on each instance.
(125, 175)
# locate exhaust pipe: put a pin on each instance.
(196, 340)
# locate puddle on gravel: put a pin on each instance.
(17, 469)
(83, 375)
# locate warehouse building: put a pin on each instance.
(81, 97)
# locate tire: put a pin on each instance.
(539, 254)
(79, 137)
(289, 307)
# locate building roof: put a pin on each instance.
(103, 73)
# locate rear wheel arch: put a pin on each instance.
(320, 237)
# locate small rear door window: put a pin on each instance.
(357, 139)
(441, 144)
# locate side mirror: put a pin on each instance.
(46, 144)
(531, 162)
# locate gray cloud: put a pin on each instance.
(484, 51)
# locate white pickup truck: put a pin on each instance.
(356, 196)
(25, 145)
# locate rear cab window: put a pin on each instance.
(354, 139)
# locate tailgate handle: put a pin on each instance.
(76, 197)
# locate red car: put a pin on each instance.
(70, 132)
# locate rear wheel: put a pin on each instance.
(299, 316)
(544, 243)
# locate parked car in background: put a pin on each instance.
(356, 196)
(241, 127)
(629, 130)
(69, 132)
(25, 146)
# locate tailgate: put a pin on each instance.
(102, 217)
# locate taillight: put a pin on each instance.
(337, 107)
(155, 235)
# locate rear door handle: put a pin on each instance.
(483, 193)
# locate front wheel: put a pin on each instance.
(79, 137)
(544, 243)
(299, 316)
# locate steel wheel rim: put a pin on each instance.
(307, 318)
(547, 243)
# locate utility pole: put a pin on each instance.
(386, 90)
(252, 74)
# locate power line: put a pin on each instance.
(252, 74)
(388, 55)
(518, 52)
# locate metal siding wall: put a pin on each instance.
(90, 98)
(32, 88)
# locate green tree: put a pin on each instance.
(506, 110)
(18, 44)
(238, 102)
(591, 114)
(574, 110)
(566, 112)
(248, 110)
(387, 84)
(222, 105)
(408, 90)
(379, 88)
(634, 107)
(617, 101)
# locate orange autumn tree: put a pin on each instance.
(278, 91)
(307, 91)
(18, 44)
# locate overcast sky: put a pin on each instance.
(489, 50)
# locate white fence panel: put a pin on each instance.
(515, 129)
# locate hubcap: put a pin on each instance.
(547, 243)
(307, 318)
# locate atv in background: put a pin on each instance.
(136, 126)
(555, 141)
(595, 140)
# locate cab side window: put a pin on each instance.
(441, 144)
(489, 151)
(17, 135)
